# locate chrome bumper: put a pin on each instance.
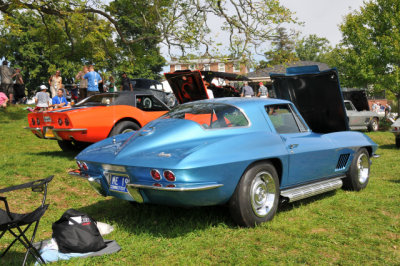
(133, 189)
(94, 182)
(40, 134)
(176, 187)
(38, 131)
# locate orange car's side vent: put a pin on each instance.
(343, 158)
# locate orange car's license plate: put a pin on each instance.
(49, 133)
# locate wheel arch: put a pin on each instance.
(369, 149)
(122, 120)
(276, 162)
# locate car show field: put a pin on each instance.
(338, 227)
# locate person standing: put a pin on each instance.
(93, 79)
(126, 84)
(247, 91)
(101, 85)
(263, 91)
(111, 84)
(42, 99)
(6, 81)
(83, 83)
(55, 82)
(19, 87)
(3, 100)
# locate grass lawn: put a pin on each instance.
(339, 227)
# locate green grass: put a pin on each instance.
(339, 227)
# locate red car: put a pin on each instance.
(96, 118)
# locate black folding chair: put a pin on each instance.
(12, 222)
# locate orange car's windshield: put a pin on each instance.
(98, 99)
(209, 115)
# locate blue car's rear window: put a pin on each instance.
(209, 115)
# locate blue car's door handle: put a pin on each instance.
(292, 146)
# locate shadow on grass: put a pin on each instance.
(15, 258)
(61, 154)
(158, 220)
(388, 147)
(171, 222)
(284, 207)
(397, 181)
(8, 115)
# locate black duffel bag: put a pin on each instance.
(77, 232)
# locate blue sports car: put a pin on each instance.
(247, 152)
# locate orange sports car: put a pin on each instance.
(96, 118)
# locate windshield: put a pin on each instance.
(209, 115)
(98, 99)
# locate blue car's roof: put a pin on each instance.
(245, 103)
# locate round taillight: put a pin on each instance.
(60, 122)
(33, 122)
(157, 185)
(155, 174)
(85, 166)
(66, 121)
(37, 121)
(79, 164)
(395, 128)
(171, 185)
(169, 175)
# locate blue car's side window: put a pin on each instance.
(282, 118)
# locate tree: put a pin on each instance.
(184, 24)
(312, 48)
(283, 50)
(371, 39)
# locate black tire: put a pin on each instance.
(373, 125)
(398, 141)
(256, 197)
(358, 174)
(68, 145)
(124, 127)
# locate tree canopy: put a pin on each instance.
(370, 51)
(124, 35)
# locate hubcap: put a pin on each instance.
(374, 125)
(126, 130)
(363, 168)
(262, 193)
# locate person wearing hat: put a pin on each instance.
(262, 91)
(7, 85)
(42, 99)
(126, 84)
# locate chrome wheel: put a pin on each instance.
(363, 168)
(374, 125)
(127, 130)
(262, 194)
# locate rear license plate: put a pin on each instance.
(118, 183)
(47, 119)
(49, 133)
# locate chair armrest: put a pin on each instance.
(33, 184)
(4, 199)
